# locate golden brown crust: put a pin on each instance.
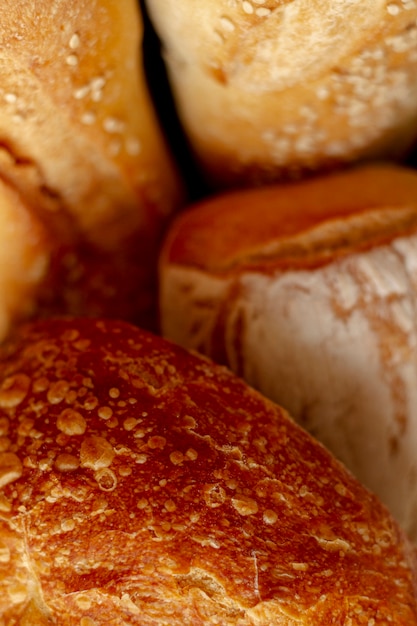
(149, 485)
(295, 225)
(80, 141)
(271, 89)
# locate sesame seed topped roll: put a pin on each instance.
(273, 89)
(81, 144)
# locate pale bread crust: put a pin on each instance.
(309, 292)
(150, 486)
(275, 89)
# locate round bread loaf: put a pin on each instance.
(272, 89)
(81, 145)
(309, 292)
(144, 485)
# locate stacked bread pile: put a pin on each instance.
(147, 485)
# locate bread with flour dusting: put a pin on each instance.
(309, 291)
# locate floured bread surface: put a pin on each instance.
(140, 484)
(79, 140)
(314, 304)
(272, 89)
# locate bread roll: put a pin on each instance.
(309, 291)
(272, 89)
(80, 143)
(140, 484)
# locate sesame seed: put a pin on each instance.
(133, 146)
(393, 9)
(81, 93)
(88, 118)
(304, 144)
(96, 95)
(72, 60)
(247, 7)
(98, 83)
(227, 24)
(10, 98)
(74, 42)
(262, 12)
(322, 93)
(218, 37)
(112, 125)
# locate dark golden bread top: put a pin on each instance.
(296, 224)
(146, 483)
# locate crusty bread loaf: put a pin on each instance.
(143, 485)
(80, 143)
(272, 89)
(309, 291)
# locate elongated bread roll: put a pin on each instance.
(81, 145)
(309, 291)
(143, 485)
(272, 89)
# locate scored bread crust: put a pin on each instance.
(81, 144)
(141, 484)
(272, 89)
(309, 292)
